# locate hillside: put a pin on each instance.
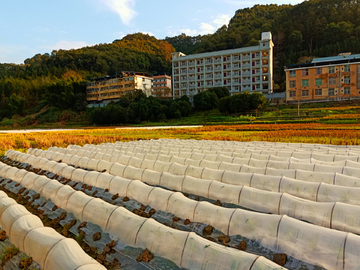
(314, 28)
(60, 76)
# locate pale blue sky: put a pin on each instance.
(28, 27)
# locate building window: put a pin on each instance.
(318, 82)
(331, 70)
(305, 83)
(292, 84)
(318, 71)
(292, 73)
(305, 72)
(305, 93)
(346, 90)
(347, 68)
(318, 92)
(347, 79)
(292, 93)
(332, 81)
(331, 92)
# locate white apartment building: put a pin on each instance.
(243, 69)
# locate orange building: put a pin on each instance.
(329, 78)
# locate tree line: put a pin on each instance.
(135, 107)
(219, 98)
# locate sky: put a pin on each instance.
(29, 27)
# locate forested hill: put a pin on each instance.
(59, 77)
(314, 28)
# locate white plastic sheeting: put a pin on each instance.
(46, 246)
(336, 215)
(346, 175)
(186, 249)
(235, 221)
(228, 147)
(314, 191)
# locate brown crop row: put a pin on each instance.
(306, 133)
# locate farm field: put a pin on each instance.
(337, 134)
(187, 204)
(243, 175)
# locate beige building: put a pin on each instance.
(328, 78)
(110, 88)
(243, 69)
(161, 87)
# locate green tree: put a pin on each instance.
(206, 101)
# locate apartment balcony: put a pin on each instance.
(246, 73)
(191, 64)
(183, 78)
(246, 89)
(236, 83)
(208, 77)
(217, 83)
(209, 70)
(255, 65)
(191, 78)
(218, 76)
(245, 65)
(208, 62)
(183, 86)
(192, 71)
(217, 61)
(255, 56)
(183, 72)
(236, 67)
(246, 57)
(183, 65)
(246, 81)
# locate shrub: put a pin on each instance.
(243, 102)
(206, 101)
(220, 91)
(52, 115)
